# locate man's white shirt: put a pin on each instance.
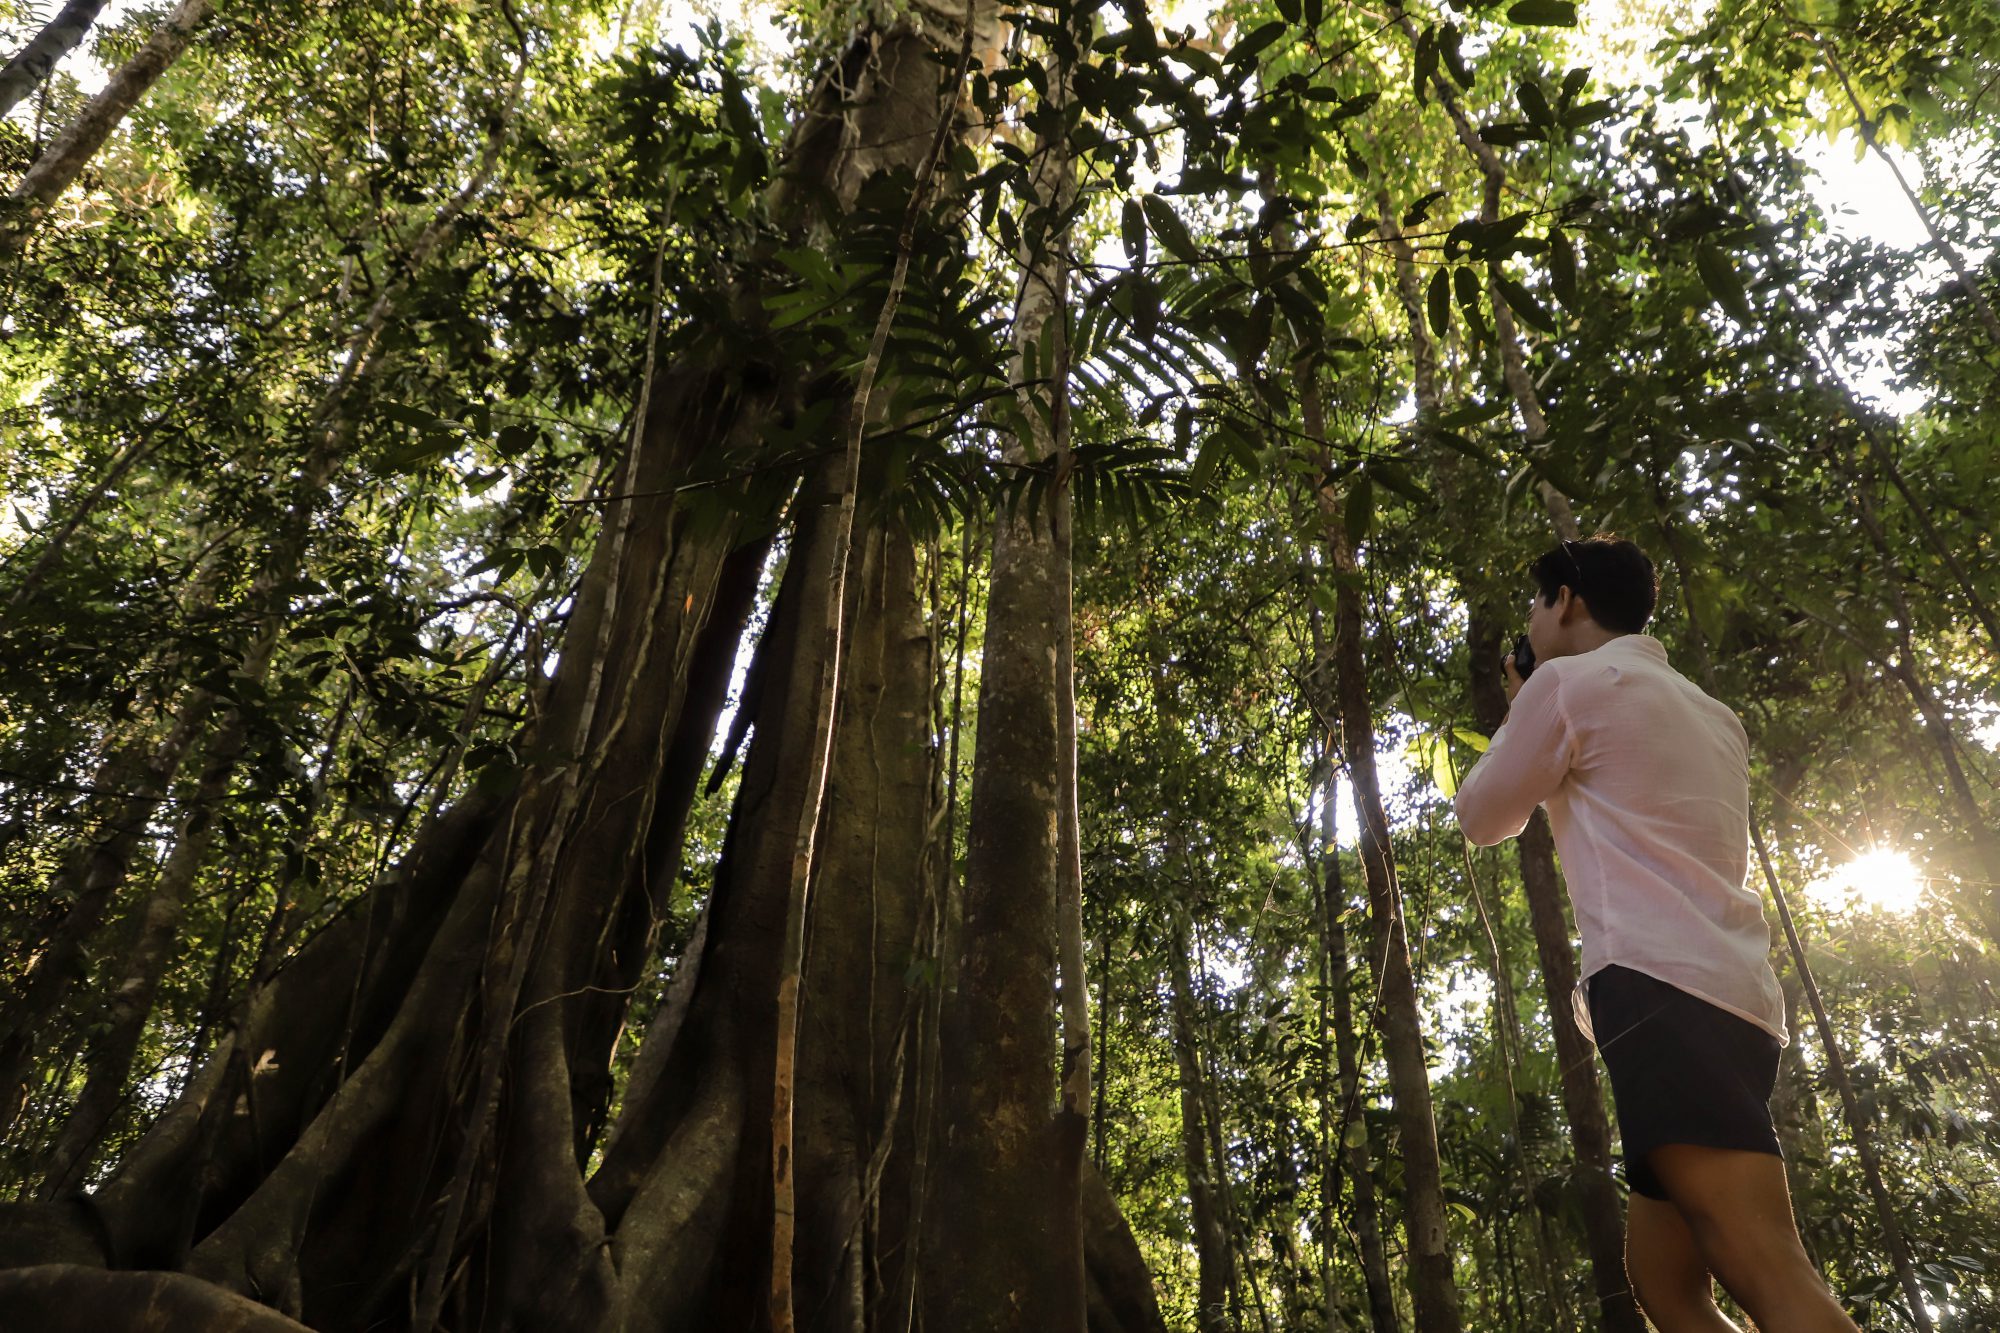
(1646, 780)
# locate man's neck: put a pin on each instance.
(1589, 637)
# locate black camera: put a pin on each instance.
(1524, 656)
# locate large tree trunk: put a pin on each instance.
(684, 1182)
(1010, 1232)
(321, 1148)
(37, 60)
(395, 1131)
(1357, 1141)
(1583, 1102)
(1216, 1277)
(1434, 1294)
(70, 152)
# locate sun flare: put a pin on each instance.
(1880, 879)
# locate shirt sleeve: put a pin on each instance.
(1524, 764)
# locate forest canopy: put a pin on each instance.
(677, 666)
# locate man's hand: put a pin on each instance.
(1514, 681)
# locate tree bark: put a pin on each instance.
(69, 152)
(1010, 1248)
(861, 414)
(1359, 1146)
(1215, 1260)
(1121, 1297)
(1433, 1290)
(398, 1124)
(1582, 1099)
(1576, 1059)
(54, 1296)
(37, 60)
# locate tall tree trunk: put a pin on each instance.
(1215, 1260)
(1582, 1098)
(400, 1121)
(861, 414)
(1433, 1291)
(1343, 1124)
(318, 1194)
(1009, 1252)
(70, 152)
(37, 60)
(1358, 1139)
(1576, 1060)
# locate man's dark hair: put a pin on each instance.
(1614, 578)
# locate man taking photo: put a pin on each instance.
(1646, 781)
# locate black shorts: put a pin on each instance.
(1682, 1071)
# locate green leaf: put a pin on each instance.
(1477, 742)
(1475, 414)
(1454, 58)
(1419, 212)
(1132, 226)
(1439, 301)
(1358, 514)
(1289, 10)
(1523, 303)
(1426, 64)
(1588, 114)
(1353, 107)
(1466, 285)
(1722, 281)
(428, 448)
(1508, 133)
(1429, 752)
(1360, 225)
(407, 415)
(1396, 479)
(1562, 268)
(1258, 38)
(1453, 440)
(1167, 225)
(1534, 103)
(1543, 14)
(1145, 308)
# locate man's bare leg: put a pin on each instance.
(1739, 1213)
(1668, 1275)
